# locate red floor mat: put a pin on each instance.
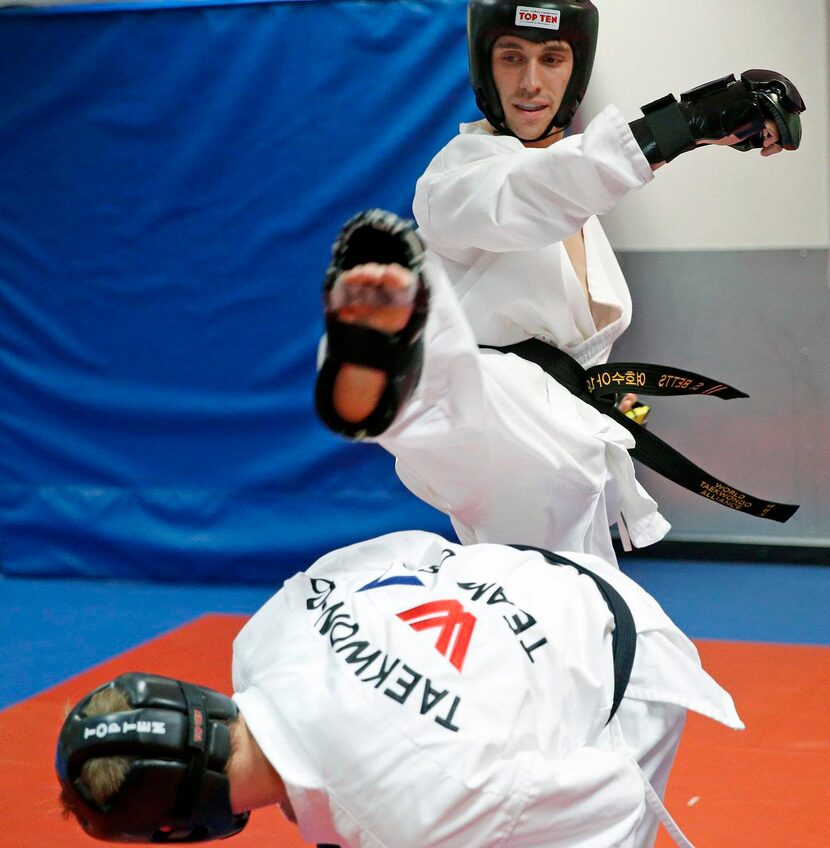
(763, 788)
(199, 651)
(767, 786)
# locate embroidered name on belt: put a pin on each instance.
(595, 386)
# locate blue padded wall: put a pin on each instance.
(172, 180)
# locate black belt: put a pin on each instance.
(593, 385)
(624, 637)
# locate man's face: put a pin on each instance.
(531, 78)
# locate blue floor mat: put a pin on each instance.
(53, 629)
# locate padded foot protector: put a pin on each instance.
(382, 237)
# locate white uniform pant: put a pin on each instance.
(651, 732)
(510, 454)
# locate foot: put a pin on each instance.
(382, 298)
(376, 300)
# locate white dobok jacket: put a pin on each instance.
(494, 213)
(414, 693)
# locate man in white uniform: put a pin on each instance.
(508, 209)
(411, 693)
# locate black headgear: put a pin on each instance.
(176, 789)
(574, 21)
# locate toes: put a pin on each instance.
(376, 295)
(373, 286)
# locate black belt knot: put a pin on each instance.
(597, 385)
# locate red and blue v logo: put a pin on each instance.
(456, 626)
(403, 580)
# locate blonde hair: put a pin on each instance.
(102, 776)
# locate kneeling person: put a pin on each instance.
(413, 692)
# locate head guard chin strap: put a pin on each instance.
(178, 741)
(573, 21)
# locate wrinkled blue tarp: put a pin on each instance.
(172, 179)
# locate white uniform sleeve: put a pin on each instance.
(493, 194)
(590, 798)
(447, 443)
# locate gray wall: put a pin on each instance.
(716, 199)
(727, 258)
(757, 320)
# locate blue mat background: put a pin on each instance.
(173, 177)
(56, 628)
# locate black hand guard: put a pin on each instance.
(718, 109)
(373, 236)
(779, 99)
